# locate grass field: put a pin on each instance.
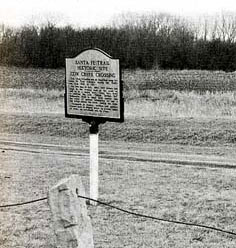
(148, 94)
(187, 80)
(165, 120)
(148, 104)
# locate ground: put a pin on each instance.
(147, 178)
(172, 163)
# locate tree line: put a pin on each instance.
(139, 41)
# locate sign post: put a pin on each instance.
(93, 140)
(93, 93)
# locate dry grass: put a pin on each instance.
(148, 94)
(183, 104)
(148, 104)
(31, 101)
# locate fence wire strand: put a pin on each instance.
(129, 212)
(159, 219)
(23, 203)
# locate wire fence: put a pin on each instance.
(130, 213)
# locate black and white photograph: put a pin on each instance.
(117, 124)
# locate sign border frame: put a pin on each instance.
(92, 119)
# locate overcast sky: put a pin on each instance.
(86, 13)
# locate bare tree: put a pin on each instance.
(226, 27)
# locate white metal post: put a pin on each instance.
(93, 137)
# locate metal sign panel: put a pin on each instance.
(93, 86)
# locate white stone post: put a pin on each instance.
(72, 224)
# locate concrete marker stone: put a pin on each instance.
(71, 222)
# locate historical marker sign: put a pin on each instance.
(93, 86)
(94, 93)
